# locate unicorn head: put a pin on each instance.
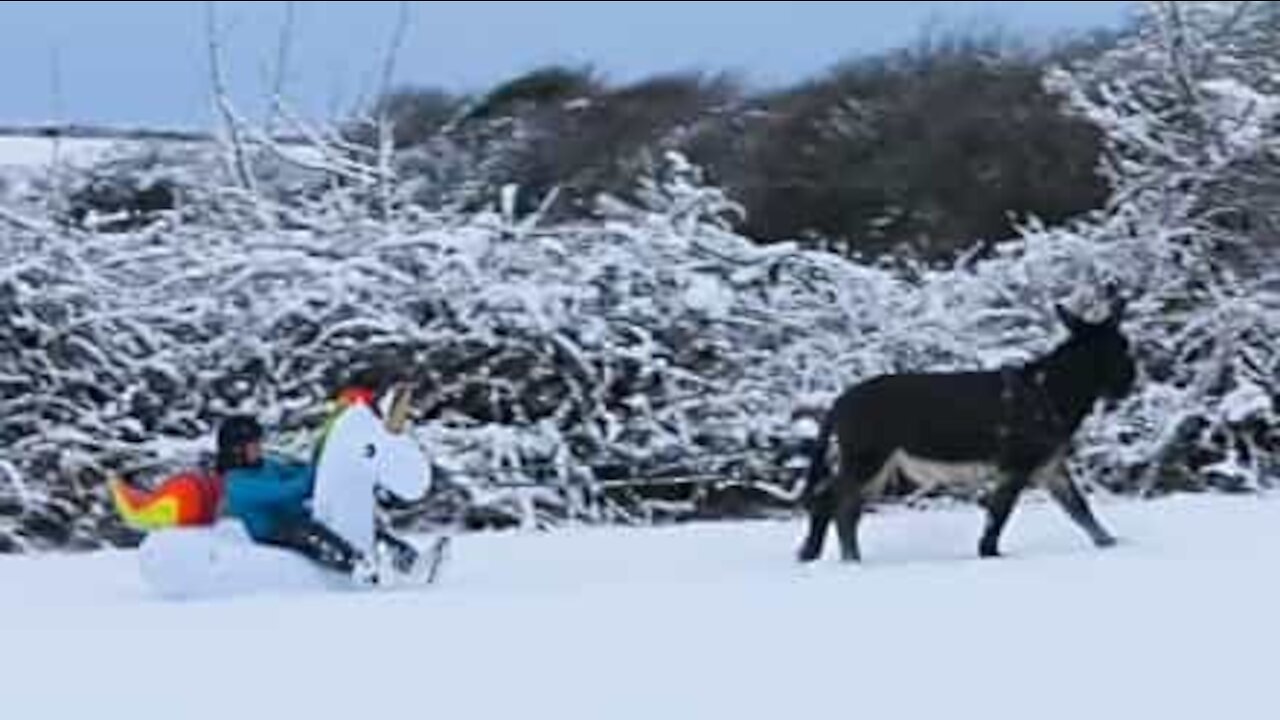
(359, 453)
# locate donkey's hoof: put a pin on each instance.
(989, 553)
(1106, 541)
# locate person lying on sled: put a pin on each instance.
(271, 497)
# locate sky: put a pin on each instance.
(147, 64)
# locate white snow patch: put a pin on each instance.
(694, 622)
(39, 152)
(1244, 403)
(709, 295)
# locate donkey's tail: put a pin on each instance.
(815, 479)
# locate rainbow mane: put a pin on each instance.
(346, 398)
(186, 499)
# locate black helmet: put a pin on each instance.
(236, 432)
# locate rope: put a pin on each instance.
(682, 474)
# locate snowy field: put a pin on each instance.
(30, 153)
(703, 621)
(38, 152)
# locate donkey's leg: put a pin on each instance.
(860, 480)
(1069, 497)
(999, 506)
(821, 507)
(848, 515)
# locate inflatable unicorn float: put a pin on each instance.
(191, 551)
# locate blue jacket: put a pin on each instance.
(266, 496)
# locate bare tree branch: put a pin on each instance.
(56, 202)
(385, 129)
(284, 48)
(25, 223)
(239, 161)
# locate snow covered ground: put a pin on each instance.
(38, 152)
(26, 152)
(703, 621)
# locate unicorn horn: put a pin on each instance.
(398, 416)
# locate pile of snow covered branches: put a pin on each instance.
(556, 359)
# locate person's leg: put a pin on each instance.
(403, 554)
(316, 542)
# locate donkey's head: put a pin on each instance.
(1100, 353)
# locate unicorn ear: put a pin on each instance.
(1073, 322)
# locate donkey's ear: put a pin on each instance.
(1073, 323)
(1116, 316)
